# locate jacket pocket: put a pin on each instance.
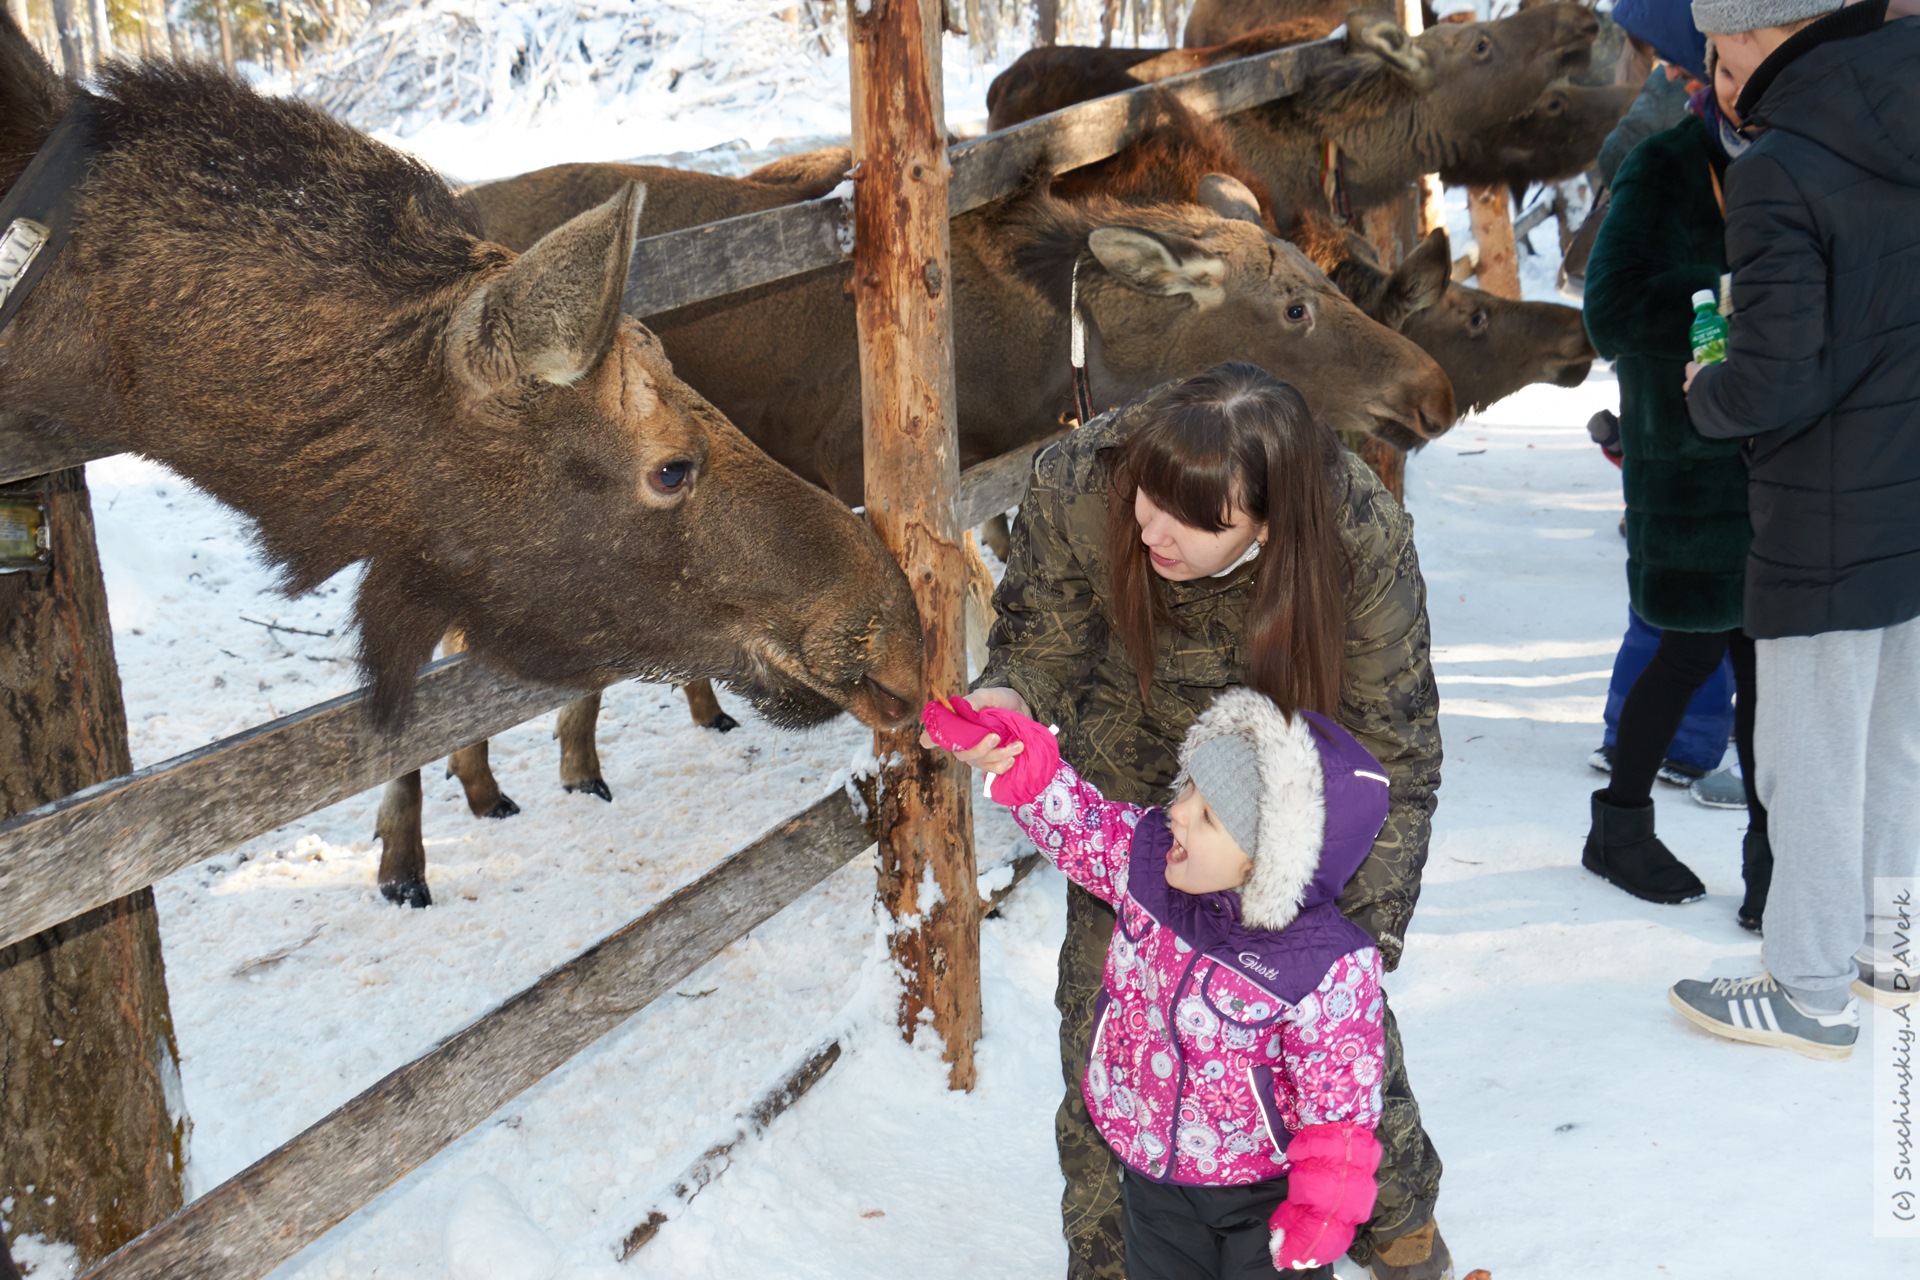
(1260, 1080)
(1238, 1002)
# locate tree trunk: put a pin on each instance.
(290, 59)
(226, 33)
(102, 32)
(92, 1138)
(73, 47)
(903, 301)
(1046, 22)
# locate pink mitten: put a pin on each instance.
(964, 725)
(1329, 1192)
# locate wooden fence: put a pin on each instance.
(102, 843)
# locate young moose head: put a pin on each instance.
(306, 324)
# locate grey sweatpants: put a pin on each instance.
(1836, 744)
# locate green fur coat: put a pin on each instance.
(1687, 527)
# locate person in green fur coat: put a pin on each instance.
(1687, 528)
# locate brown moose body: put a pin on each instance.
(309, 326)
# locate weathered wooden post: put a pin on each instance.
(904, 307)
(1492, 211)
(91, 1149)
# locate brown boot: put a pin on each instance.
(1417, 1255)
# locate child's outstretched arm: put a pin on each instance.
(1334, 1064)
(1082, 832)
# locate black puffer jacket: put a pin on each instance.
(1823, 363)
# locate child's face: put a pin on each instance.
(1205, 858)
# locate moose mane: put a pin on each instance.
(32, 99)
(281, 177)
(1165, 164)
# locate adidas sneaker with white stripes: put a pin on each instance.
(1757, 1010)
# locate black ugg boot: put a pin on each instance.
(1622, 848)
(1756, 868)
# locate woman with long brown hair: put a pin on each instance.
(1213, 533)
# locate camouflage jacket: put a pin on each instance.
(1054, 645)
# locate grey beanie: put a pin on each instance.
(1227, 772)
(1731, 17)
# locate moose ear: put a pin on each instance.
(554, 313)
(1389, 41)
(1230, 198)
(1166, 266)
(1420, 281)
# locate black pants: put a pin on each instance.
(1202, 1233)
(1658, 702)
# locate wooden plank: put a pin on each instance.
(903, 306)
(109, 840)
(264, 1215)
(718, 1158)
(691, 265)
(992, 167)
(32, 446)
(989, 488)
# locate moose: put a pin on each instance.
(1390, 110)
(313, 328)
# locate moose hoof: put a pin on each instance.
(411, 892)
(593, 787)
(722, 723)
(504, 807)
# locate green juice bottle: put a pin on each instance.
(1709, 330)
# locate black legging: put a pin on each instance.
(1658, 702)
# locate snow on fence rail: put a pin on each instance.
(109, 840)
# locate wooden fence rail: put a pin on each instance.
(265, 1214)
(98, 845)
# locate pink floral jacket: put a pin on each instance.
(1201, 1068)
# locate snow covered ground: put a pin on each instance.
(1588, 1132)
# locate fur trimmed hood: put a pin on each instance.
(1322, 802)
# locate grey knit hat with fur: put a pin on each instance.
(1731, 17)
(1260, 771)
(1227, 771)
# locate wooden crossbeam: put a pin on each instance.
(107, 841)
(265, 1214)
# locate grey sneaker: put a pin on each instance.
(1881, 984)
(1721, 789)
(1601, 761)
(1757, 1011)
(1678, 773)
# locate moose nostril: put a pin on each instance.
(889, 704)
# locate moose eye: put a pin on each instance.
(1297, 312)
(672, 477)
(1477, 322)
(1482, 47)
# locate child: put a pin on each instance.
(1237, 1052)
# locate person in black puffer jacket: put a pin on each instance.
(1822, 382)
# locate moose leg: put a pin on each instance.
(469, 764)
(579, 757)
(403, 857)
(706, 707)
(998, 536)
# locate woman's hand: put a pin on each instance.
(1693, 371)
(989, 754)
